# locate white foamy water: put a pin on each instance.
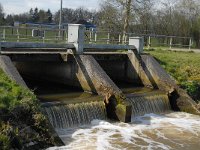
(180, 131)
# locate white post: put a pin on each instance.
(66, 32)
(95, 37)
(76, 36)
(4, 34)
(149, 42)
(119, 38)
(43, 38)
(125, 39)
(17, 34)
(90, 36)
(108, 39)
(190, 44)
(60, 20)
(170, 44)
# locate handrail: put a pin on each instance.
(92, 36)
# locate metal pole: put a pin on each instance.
(60, 20)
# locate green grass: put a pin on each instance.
(19, 111)
(183, 66)
(13, 95)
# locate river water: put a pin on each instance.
(172, 130)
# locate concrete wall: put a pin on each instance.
(120, 69)
(85, 72)
(97, 75)
(179, 99)
(58, 72)
(7, 66)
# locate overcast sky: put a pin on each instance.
(20, 6)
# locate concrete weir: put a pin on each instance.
(100, 70)
(102, 75)
(82, 71)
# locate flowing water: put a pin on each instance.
(64, 116)
(175, 130)
(84, 126)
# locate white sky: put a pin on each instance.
(20, 6)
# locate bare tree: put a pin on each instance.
(127, 17)
(109, 18)
(2, 20)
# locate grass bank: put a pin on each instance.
(183, 66)
(22, 125)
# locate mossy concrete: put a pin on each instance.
(136, 63)
(94, 79)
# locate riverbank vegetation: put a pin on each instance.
(22, 125)
(183, 66)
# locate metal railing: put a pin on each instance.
(168, 41)
(106, 37)
(150, 40)
(92, 36)
(56, 35)
(32, 34)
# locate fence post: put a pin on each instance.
(4, 34)
(125, 39)
(90, 38)
(190, 44)
(119, 38)
(43, 38)
(76, 36)
(95, 37)
(149, 42)
(108, 39)
(170, 43)
(66, 35)
(17, 34)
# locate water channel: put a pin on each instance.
(84, 125)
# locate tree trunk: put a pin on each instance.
(127, 18)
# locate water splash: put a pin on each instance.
(64, 116)
(153, 132)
